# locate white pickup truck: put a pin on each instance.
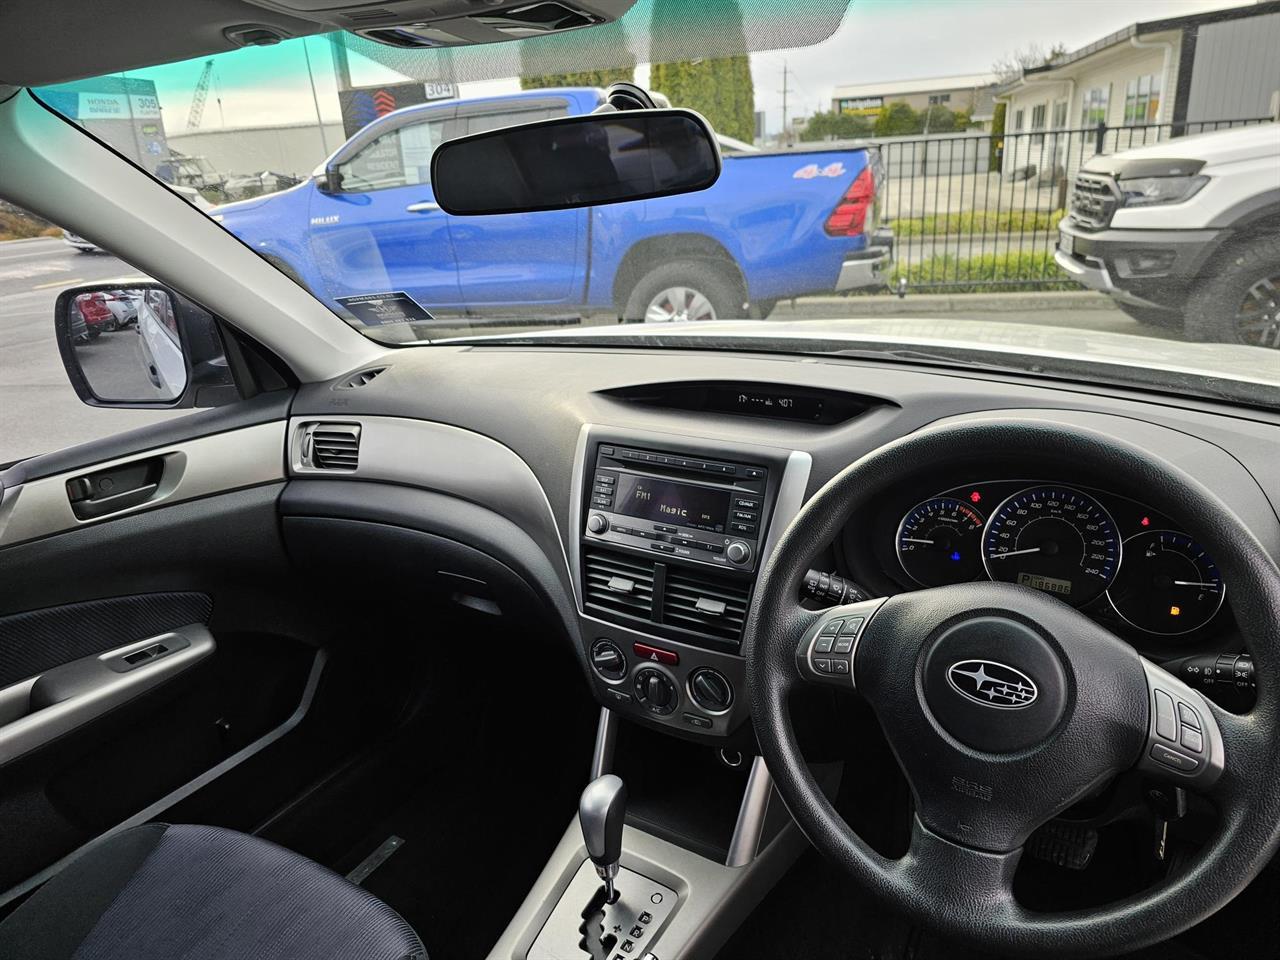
(1184, 233)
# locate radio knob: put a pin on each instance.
(738, 552)
(597, 523)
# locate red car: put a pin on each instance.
(97, 315)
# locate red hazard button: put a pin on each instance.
(656, 654)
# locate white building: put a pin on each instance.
(971, 92)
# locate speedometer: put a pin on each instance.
(938, 542)
(1053, 539)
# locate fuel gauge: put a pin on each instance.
(938, 542)
(1166, 584)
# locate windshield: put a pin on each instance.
(1082, 189)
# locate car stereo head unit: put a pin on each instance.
(707, 511)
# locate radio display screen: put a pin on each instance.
(666, 501)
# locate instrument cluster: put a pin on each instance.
(1115, 559)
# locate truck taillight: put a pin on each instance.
(849, 218)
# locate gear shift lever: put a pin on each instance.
(600, 811)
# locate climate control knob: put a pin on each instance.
(655, 691)
(597, 523)
(710, 690)
(738, 552)
(608, 660)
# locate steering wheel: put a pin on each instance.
(1004, 706)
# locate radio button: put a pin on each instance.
(744, 528)
(741, 503)
(663, 547)
(599, 501)
(606, 480)
(598, 523)
(665, 529)
(713, 547)
(738, 552)
(753, 473)
(747, 516)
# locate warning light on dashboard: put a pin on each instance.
(955, 555)
(1175, 611)
(976, 497)
(1146, 521)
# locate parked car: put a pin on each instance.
(159, 343)
(1184, 233)
(97, 316)
(776, 225)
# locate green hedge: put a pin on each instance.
(977, 274)
(978, 222)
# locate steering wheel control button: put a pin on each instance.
(1192, 739)
(822, 664)
(831, 628)
(839, 665)
(1188, 716)
(852, 626)
(607, 660)
(995, 684)
(1166, 722)
(655, 691)
(655, 654)
(843, 645)
(1173, 759)
(824, 644)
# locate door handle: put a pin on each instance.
(108, 491)
(426, 206)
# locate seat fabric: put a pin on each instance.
(161, 892)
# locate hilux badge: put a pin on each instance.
(992, 684)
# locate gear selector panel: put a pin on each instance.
(583, 925)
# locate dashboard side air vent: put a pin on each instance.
(704, 603)
(617, 583)
(360, 379)
(332, 446)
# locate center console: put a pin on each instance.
(669, 536)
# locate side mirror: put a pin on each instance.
(571, 162)
(331, 181)
(139, 344)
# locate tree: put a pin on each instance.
(897, 119)
(836, 126)
(537, 55)
(1011, 66)
(719, 88)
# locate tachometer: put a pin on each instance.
(1167, 584)
(938, 542)
(1053, 539)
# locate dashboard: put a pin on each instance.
(637, 507)
(1122, 563)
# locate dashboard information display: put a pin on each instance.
(668, 501)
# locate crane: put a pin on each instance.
(198, 98)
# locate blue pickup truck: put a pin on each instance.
(775, 226)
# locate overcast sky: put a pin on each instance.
(878, 40)
(896, 40)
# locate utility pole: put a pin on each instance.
(786, 132)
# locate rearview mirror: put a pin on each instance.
(139, 344)
(576, 162)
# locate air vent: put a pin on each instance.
(705, 603)
(378, 13)
(360, 379)
(332, 446)
(619, 584)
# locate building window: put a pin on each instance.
(1059, 116)
(1017, 120)
(1093, 109)
(1142, 100)
(937, 98)
(1038, 114)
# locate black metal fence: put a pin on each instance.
(981, 211)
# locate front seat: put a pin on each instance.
(160, 892)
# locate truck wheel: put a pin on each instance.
(685, 291)
(1153, 316)
(1240, 303)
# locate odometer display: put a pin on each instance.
(939, 542)
(1053, 539)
